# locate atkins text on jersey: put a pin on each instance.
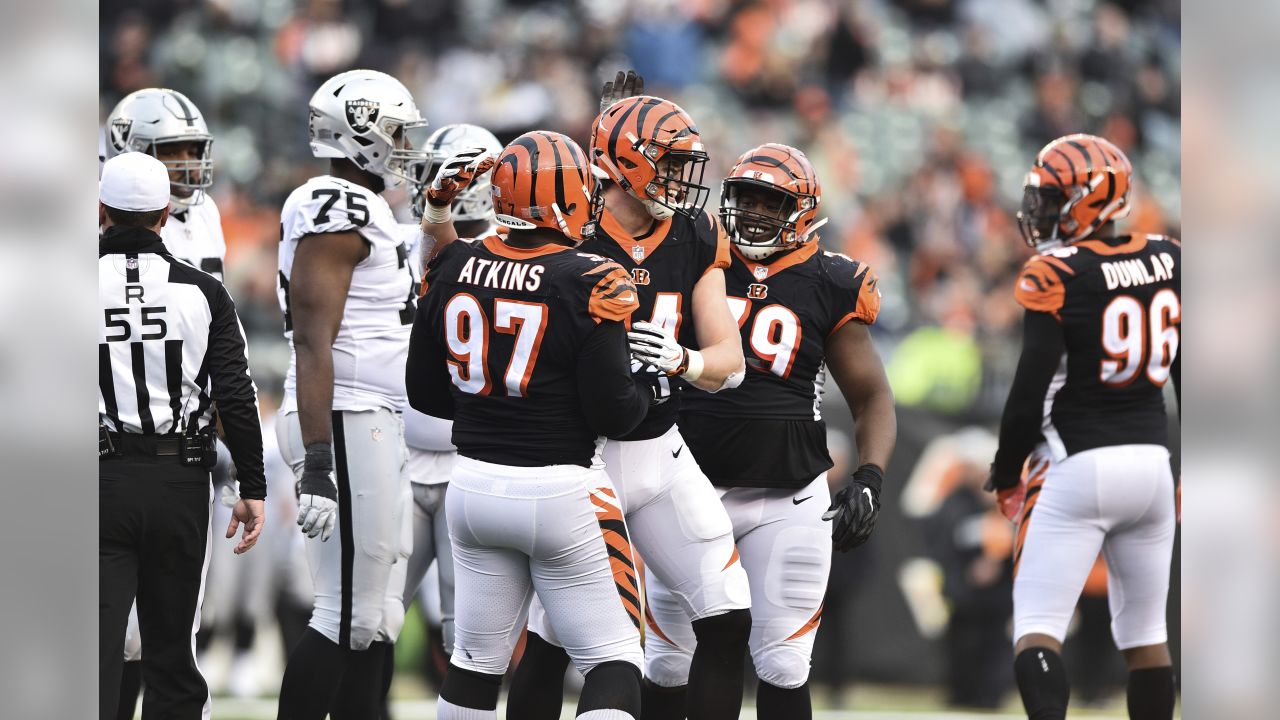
(501, 274)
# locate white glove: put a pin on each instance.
(649, 344)
(230, 494)
(318, 493)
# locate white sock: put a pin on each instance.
(604, 715)
(446, 710)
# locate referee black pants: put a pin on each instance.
(153, 524)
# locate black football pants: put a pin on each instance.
(153, 525)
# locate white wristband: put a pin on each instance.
(695, 366)
(437, 215)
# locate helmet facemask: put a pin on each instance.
(1041, 215)
(760, 218)
(190, 173)
(677, 181)
(408, 142)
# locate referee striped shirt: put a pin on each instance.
(171, 351)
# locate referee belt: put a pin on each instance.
(148, 445)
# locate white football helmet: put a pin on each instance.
(152, 117)
(473, 203)
(369, 118)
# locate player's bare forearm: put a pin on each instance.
(322, 271)
(438, 237)
(717, 333)
(315, 392)
(858, 371)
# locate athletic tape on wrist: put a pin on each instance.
(695, 366)
(438, 215)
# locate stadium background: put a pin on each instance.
(921, 117)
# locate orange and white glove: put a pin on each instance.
(455, 175)
(1010, 499)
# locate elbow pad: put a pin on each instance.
(732, 381)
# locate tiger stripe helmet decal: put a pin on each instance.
(1077, 184)
(651, 149)
(542, 179)
(785, 171)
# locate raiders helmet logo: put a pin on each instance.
(118, 133)
(361, 114)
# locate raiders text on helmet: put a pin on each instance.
(369, 118)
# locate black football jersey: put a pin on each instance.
(511, 323)
(664, 265)
(769, 432)
(1119, 303)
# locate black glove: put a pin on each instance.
(621, 87)
(855, 509)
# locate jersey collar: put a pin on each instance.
(119, 239)
(639, 248)
(763, 270)
(495, 245)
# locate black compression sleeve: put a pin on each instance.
(1176, 374)
(237, 399)
(1042, 347)
(426, 372)
(613, 401)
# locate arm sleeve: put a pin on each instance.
(1042, 347)
(1176, 374)
(613, 401)
(426, 371)
(236, 397)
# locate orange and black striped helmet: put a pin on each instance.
(1078, 184)
(652, 149)
(782, 217)
(542, 179)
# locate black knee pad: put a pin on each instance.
(471, 689)
(727, 628)
(613, 685)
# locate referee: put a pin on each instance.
(170, 352)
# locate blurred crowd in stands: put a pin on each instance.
(921, 117)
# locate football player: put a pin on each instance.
(348, 293)
(431, 450)
(800, 311)
(1086, 418)
(650, 156)
(167, 125)
(164, 123)
(522, 343)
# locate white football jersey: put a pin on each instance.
(373, 338)
(194, 236)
